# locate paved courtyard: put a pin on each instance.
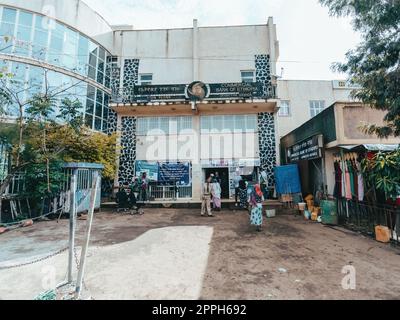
(176, 254)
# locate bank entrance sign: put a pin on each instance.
(197, 91)
(308, 149)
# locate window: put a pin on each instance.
(167, 125)
(146, 79)
(230, 123)
(7, 29)
(284, 111)
(316, 107)
(248, 76)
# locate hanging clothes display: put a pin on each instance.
(349, 180)
(360, 179)
(338, 180)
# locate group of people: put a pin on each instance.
(133, 196)
(250, 198)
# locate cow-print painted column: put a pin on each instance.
(130, 78)
(267, 143)
(112, 122)
(263, 75)
(127, 158)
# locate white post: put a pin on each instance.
(93, 196)
(72, 222)
(195, 50)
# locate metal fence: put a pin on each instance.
(17, 205)
(161, 193)
(364, 217)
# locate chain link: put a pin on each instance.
(77, 262)
(34, 261)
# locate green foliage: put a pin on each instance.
(375, 63)
(36, 182)
(383, 173)
(70, 113)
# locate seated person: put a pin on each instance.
(122, 199)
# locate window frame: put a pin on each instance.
(243, 78)
(288, 107)
(145, 82)
(313, 109)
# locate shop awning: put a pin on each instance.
(372, 147)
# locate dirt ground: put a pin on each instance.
(290, 259)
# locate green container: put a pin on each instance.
(329, 212)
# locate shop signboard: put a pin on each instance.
(174, 174)
(308, 149)
(197, 91)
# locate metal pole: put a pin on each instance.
(93, 196)
(72, 223)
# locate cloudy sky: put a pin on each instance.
(310, 40)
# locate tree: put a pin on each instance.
(382, 173)
(375, 63)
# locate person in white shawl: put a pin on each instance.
(216, 192)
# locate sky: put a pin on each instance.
(310, 40)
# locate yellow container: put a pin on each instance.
(314, 216)
(382, 234)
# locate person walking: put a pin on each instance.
(134, 196)
(255, 200)
(237, 179)
(206, 198)
(216, 192)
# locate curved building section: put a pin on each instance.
(61, 40)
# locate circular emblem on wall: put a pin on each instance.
(197, 91)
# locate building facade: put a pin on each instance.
(232, 127)
(301, 100)
(62, 43)
(332, 134)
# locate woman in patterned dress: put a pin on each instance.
(255, 200)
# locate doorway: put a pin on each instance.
(224, 176)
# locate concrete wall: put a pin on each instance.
(208, 54)
(299, 93)
(74, 13)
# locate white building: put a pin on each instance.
(301, 100)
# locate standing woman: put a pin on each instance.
(206, 199)
(216, 192)
(255, 200)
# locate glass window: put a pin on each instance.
(25, 19)
(70, 49)
(97, 123)
(23, 37)
(89, 120)
(316, 107)
(9, 15)
(89, 106)
(229, 123)
(83, 55)
(284, 110)
(146, 79)
(40, 39)
(248, 76)
(56, 45)
(7, 29)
